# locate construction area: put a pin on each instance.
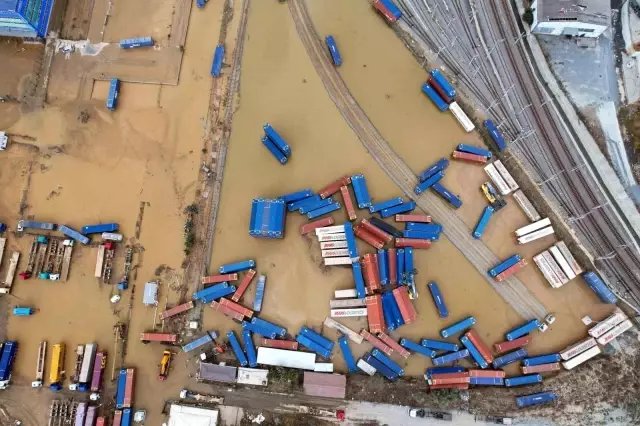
(153, 232)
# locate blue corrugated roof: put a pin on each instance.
(8, 4)
(35, 13)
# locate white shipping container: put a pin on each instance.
(497, 179)
(352, 335)
(566, 253)
(335, 253)
(330, 230)
(578, 348)
(366, 367)
(607, 324)
(88, 359)
(584, 356)
(285, 358)
(335, 261)
(615, 332)
(536, 235)
(511, 182)
(346, 303)
(353, 312)
(332, 237)
(99, 262)
(323, 367)
(555, 252)
(345, 294)
(110, 236)
(526, 206)
(253, 376)
(3, 242)
(554, 267)
(547, 272)
(462, 118)
(327, 245)
(521, 232)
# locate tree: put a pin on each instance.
(527, 16)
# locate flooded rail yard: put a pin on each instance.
(168, 163)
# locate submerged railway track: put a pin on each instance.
(513, 291)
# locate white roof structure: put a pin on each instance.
(182, 415)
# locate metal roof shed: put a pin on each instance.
(150, 296)
(217, 373)
(182, 415)
(325, 385)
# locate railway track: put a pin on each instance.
(512, 290)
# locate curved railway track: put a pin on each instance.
(512, 290)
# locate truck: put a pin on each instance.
(504, 265)
(114, 93)
(8, 357)
(437, 100)
(493, 196)
(443, 312)
(436, 167)
(599, 287)
(130, 43)
(535, 399)
(360, 190)
(387, 9)
(127, 401)
(237, 266)
(98, 370)
(486, 215)
(523, 329)
(454, 200)
(72, 233)
(458, 327)
(496, 135)
(427, 183)
(158, 337)
(33, 224)
(260, 287)
(443, 84)
(100, 228)
(88, 360)
(333, 51)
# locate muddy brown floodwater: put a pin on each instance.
(148, 153)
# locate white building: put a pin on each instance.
(182, 415)
(579, 18)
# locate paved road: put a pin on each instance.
(512, 290)
(479, 42)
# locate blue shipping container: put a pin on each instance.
(436, 167)
(317, 338)
(237, 349)
(443, 312)
(599, 287)
(324, 210)
(383, 266)
(250, 348)
(297, 205)
(210, 290)
(535, 399)
(201, 3)
(442, 370)
(402, 208)
(351, 242)
(376, 353)
(237, 267)
(433, 236)
(126, 417)
(389, 229)
(360, 190)
(380, 367)
(392, 8)
(392, 311)
(359, 280)
(475, 354)
(428, 183)
(194, 344)
(72, 233)
(269, 334)
(424, 227)
(317, 205)
(435, 97)
(278, 140)
(99, 229)
(130, 43)
(260, 288)
(414, 347)
(510, 358)
(409, 269)
(114, 91)
(333, 50)
(385, 204)
(313, 346)
(541, 359)
(504, 265)
(523, 329)
(273, 149)
(496, 135)
(454, 356)
(483, 222)
(280, 331)
(296, 196)
(447, 195)
(45, 226)
(443, 83)
(486, 381)
(347, 354)
(474, 150)
(439, 345)
(22, 312)
(122, 382)
(458, 327)
(528, 379)
(389, 318)
(218, 57)
(7, 359)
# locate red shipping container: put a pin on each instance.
(394, 345)
(348, 203)
(311, 226)
(469, 158)
(542, 368)
(450, 378)
(407, 310)
(514, 344)
(334, 187)
(480, 345)
(375, 231)
(159, 337)
(369, 273)
(511, 271)
(487, 373)
(377, 343)
(374, 313)
(244, 284)
(236, 307)
(227, 311)
(379, 6)
(438, 89)
(101, 421)
(413, 242)
(376, 268)
(212, 279)
(393, 267)
(367, 237)
(460, 386)
(420, 218)
(279, 344)
(117, 418)
(129, 387)
(175, 310)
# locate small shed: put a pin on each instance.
(253, 376)
(150, 295)
(325, 385)
(217, 373)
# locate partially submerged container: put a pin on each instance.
(218, 57)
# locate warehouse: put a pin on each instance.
(589, 18)
(29, 18)
(182, 415)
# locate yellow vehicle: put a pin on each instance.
(165, 363)
(492, 196)
(56, 373)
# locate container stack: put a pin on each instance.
(471, 154)
(557, 264)
(278, 147)
(267, 218)
(430, 179)
(442, 94)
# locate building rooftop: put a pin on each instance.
(596, 12)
